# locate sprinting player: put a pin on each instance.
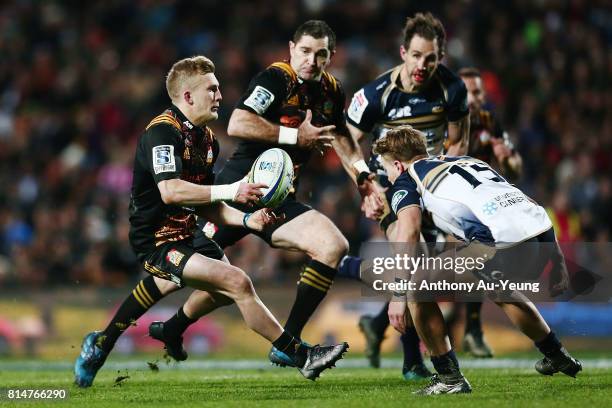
(173, 176)
(458, 194)
(489, 143)
(298, 106)
(425, 94)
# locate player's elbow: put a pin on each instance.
(234, 127)
(168, 192)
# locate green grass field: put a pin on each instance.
(341, 387)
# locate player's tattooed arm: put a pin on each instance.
(458, 137)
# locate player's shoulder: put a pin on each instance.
(282, 69)
(447, 77)
(332, 82)
(164, 125)
(381, 82)
(404, 181)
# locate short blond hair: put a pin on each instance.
(184, 70)
(402, 143)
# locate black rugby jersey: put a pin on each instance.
(382, 105)
(280, 96)
(171, 147)
(484, 126)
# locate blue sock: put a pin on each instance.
(349, 267)
(412, 352)
(446, 363)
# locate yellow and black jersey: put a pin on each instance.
(171, 147)
(484, 127)
(280, 96)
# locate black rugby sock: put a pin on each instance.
(142, 298)
(381, 320)
(315, 281)
(177, 324)
(292, 347)
(446, 364)
(473, 323)
(550, 345)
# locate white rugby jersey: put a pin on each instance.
(468, 199)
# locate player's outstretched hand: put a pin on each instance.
(312, 137)
(397, 315)
(249, 193)
(263, 218)
(373, 206)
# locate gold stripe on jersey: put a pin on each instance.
(285, 67)
(432, 120)
(164, 118)
(330, 78)
(433, 174)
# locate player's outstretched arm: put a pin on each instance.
(221, 213)
(458, 137)
(184, 193)
(250, 126)
(346, 146)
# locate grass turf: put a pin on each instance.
(342, 387)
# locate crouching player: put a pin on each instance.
(455, 192)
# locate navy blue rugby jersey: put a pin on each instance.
(383, 104)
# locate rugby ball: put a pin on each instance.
(274, 168)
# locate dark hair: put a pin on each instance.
(428, 27)
(402, 143)
(316, 29)
(469, 72)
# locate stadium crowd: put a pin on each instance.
(80, 81)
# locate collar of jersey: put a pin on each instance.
(182, 118)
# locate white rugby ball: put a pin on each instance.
(274, 168)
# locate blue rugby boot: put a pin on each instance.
(90, 360)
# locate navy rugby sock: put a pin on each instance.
(410, 344)
(315, 281)
(349, 267)
(142, 298)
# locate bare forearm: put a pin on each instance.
(221, 213)
(247, 125)
(458, 137)
(349, 153)
(183, 193)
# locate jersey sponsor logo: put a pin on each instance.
(397, 197)
(415, 101)
(489, 208)
(188, 124)
(163, 159)
(175, 257)
(381, 86)
(402, 112)
(260, 99)
(358, 106)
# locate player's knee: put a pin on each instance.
(240, 284)
(330, 252)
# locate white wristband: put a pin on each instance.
(287, 135)
(224, 192)
(361, 166)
